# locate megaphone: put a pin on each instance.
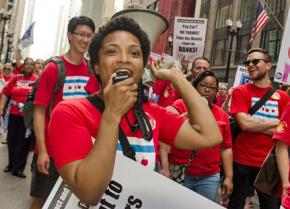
(153, 23)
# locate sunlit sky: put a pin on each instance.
(45, 17)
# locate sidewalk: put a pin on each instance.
(14, 191)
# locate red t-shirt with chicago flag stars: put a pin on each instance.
(75, 80)
(251, 148)
(79, 121)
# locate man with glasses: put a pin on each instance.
(255, 141)
(79, 34)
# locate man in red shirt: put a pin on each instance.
(80, 32)
(254, 142)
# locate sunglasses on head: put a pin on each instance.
(254, 61)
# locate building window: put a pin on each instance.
(204, 8)
(223, 13)
(248, 13)
(153, 6)
(242, 48)
(271, 41)
(218, 52)
(276, 6)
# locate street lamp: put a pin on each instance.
(231, 32)
(5, 16)
(9, 46)
(170, 44)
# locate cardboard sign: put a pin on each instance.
(282, 74)
(189, 37)
(133, 186)
(242, 76)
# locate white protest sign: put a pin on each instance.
(189, 37)
(282, 74)
(133, 186)
(242, 76)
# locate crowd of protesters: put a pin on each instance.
(189, 96)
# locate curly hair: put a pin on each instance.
(119, 23)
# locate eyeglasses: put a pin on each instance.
(84, 35)
(204, 86)
(254, 61)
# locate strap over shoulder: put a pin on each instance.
(128, 151)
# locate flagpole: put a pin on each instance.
(275, 18)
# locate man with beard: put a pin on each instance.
(254, 142)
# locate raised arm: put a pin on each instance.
(18, 56)
(187, 137)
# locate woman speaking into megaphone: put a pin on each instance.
(121, 48)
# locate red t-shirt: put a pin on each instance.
(220, 100)
(251, 148)
(165, 92)
(75, 80)
(18, 69)
(286, 200)
(206, 162)
(282, 133)
(79, 121)
(92, 85)
(7, 78)
(17, 89)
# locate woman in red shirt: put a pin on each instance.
(203, 173)
(18, 145)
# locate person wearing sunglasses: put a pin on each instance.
(7, 72)
(254, 142)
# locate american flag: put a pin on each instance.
(260, 22)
